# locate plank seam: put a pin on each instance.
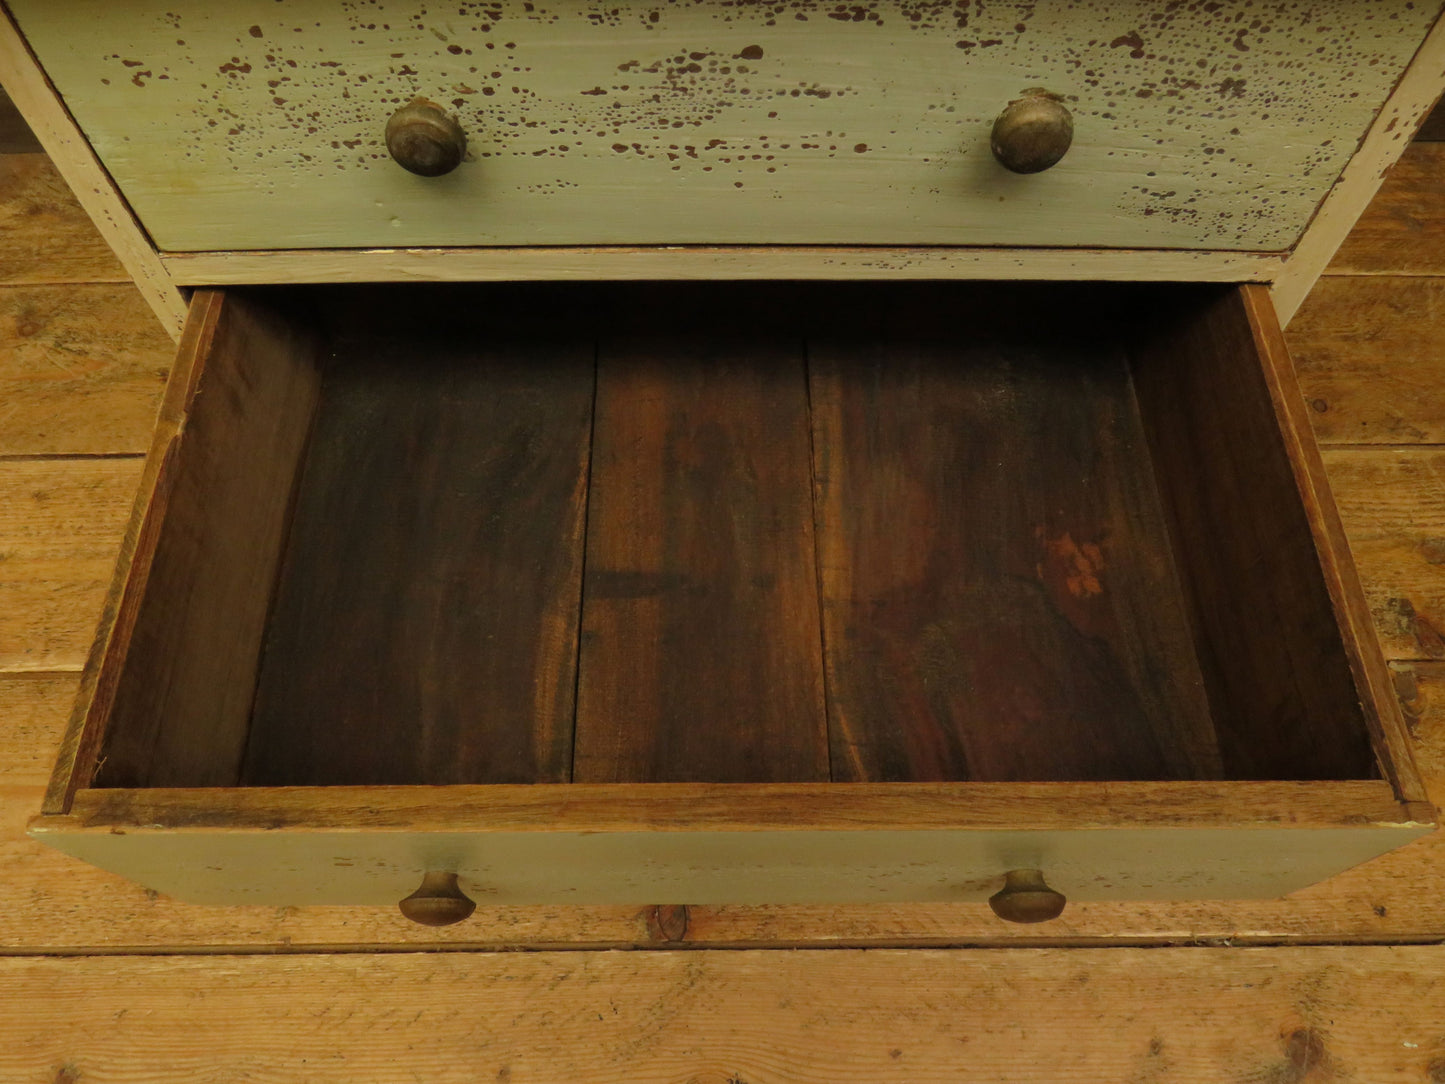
(1104, 943)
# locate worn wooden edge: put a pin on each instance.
(739, 807)
(80, 746)
(1406, 109)
(681, 262)
(1372, 677)
(40, 105)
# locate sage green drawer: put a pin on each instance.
(254, 125)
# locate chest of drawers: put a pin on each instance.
(723, 593)
(246, 144)
(791, 591)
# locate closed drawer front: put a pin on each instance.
(709, 594)
(260, 126)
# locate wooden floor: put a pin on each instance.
(100, 980)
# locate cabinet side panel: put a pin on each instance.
(1279, 679)
(183, 699)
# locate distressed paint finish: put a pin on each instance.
(285, 869)
(255, 125)
(724, 843)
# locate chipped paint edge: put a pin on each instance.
(712, 262)
(78, 165)
(1396, 123)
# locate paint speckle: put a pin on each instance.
(1132, 41)
(1182, 81)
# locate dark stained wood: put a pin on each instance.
(1432, 129)
(1279, 678)
(999, 602)
(1373, 681)
(701, 657)
(425, 627)
(78, 759)
(15, 135)
(187, 632)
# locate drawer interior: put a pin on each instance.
(730, 533)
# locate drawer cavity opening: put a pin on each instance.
(732, 533)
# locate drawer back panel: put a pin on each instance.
(733, 533)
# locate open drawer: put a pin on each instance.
(725, 593)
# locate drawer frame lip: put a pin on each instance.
(555, 263)
(744, 844)
(742, 807)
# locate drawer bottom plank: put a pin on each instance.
(999, 596)
(701, 652)
(425, 625)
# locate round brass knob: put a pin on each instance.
(1033, 133)
(425, 139)
(438, 902)
(1025, 898)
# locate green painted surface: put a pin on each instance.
(253, 125)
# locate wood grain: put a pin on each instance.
(586, 808)
(999, 599)
(45, 236)
(1296, 1014)
(713, 262)
(1358, 184)
(81, 372)
(79, 748)
(1392, 501)
(662, 153)
(1399, 232)
(1352, 618)
(207, 554)
(60, 526)
(701, 655)
(425, 628)
(52, 903)
(1277, 670)
(66, 146)
(1367, 349)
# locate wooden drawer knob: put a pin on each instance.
(425, 139)
(438, 902)
(1033, 133)
(1025, 898)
